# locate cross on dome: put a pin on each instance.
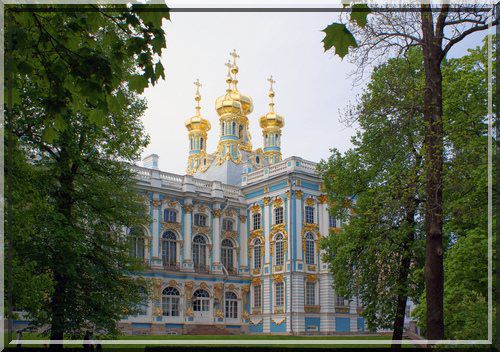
(271, 82)
(235, 56)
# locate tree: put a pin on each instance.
(75, 77)
(435, 29)
(377, 186)
(465, 193)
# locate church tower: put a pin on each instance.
(197, 127)
(233, 109)
(271, 124)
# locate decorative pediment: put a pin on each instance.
(322, 198)
(312, 278)
(172, 283)
(165, 225)
(230, 213)
(256, 281)
(229, 234)
(202, 229)
(278, 202)
(255, 208)
(310, 201)
(278, 277)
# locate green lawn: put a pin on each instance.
(259, 340)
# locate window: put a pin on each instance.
(279, 294)
(257, 297)
(231, 305)
(223, 128)
(332, 222)
(227, 224)
(278, 250)
(200, 220)
(170, 302)
(240, 135)
(233, 129)
(256, 221)
(340, 301)
(227, 254)
(170, 215)
(169, 248)
(310, 293)
(278, 215)
(310, 248)
(199, 251)
(201, 301)
(136, 238)
(309, 215)
(257, 254)
(201, 143)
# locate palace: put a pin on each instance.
(233, 246)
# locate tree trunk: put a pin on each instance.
(433, 155)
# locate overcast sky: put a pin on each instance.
(311, 86)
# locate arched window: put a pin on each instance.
(169, 249)
(136, 238)
(201, 301)
(310, 248)
(170, 215)
(278, 250)
(227, 224)
(257, 260)
(199, 252)
(231, 305)
(200, 219)
(170, 302)
(227, 250)
(278, 215)
(201, 143)
(256, 221)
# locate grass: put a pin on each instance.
(225, 341)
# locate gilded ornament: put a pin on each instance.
(172, 203)
(157, 284)
(311, 267)
(188, 208)
(256, 281)
(255, 208)
(279, 321)
(243, 218)
(202, 208)
(298, 194)
(245, 315)
(165, 225)
(266, 200)
(217, 291)
(172, 283)
(231, 287)
(188, 289)
(216, 213)
(266, 190)
(229, 234)
(189, 312)
(203, 285)
(322, 198)
(277, 202)
(278, 310)
(278, 277)
(158, 311)
(310, 201)
(278, 268)
(256, 271)
(287, 194)
(219, 313)
(312, 278)
(202, 229)
(312, 309)
(156, 203)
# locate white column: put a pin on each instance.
(188, 209)
(216, 238)
(243, 240)
(267, 227)
(298, 219)
(156, 260)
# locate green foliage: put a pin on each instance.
(377, 187)
(359, 14)
(77, 122)
(338, 36)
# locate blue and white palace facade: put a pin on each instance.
(234, 243)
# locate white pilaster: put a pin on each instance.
(243, 239)
(156, 260)
(188, 208)
(216, 238)
(267, 227)
(298, 219)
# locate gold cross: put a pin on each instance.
(271, 81)
(228, 65)
(235, 56)
(198, 85)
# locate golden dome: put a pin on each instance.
(197, 123)
(271, 119)
(233, 101)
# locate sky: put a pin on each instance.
(312, 87)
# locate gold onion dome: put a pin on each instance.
(197, 122)
(233, 101)
(271, 119)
